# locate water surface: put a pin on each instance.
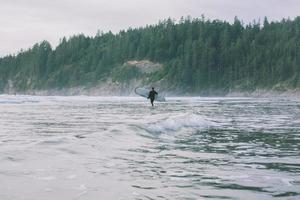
(120, 148)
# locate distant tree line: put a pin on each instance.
(197, 54)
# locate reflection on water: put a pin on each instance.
(121, 148)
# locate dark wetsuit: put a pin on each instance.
(151, 96)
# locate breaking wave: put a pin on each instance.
(178, 122)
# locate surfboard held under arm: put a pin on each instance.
(143, 92)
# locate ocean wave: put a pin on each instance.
(18, 99)
(178, 122)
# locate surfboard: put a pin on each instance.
(143, 92)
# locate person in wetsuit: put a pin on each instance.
(151, 95)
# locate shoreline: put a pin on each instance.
(129, 91)
(267, 94)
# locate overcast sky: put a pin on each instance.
(25, 22)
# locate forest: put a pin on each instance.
(198, 55)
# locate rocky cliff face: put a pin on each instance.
(144, 66)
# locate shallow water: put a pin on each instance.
(120, 148)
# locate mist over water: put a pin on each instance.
(120, 148)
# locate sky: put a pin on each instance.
(26, 22)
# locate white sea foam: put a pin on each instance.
(178, 122)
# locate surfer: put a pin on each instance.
(151, 95)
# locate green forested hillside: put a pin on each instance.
(198, 55)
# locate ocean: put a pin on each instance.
(119, 148)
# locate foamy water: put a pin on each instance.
(120, 148)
